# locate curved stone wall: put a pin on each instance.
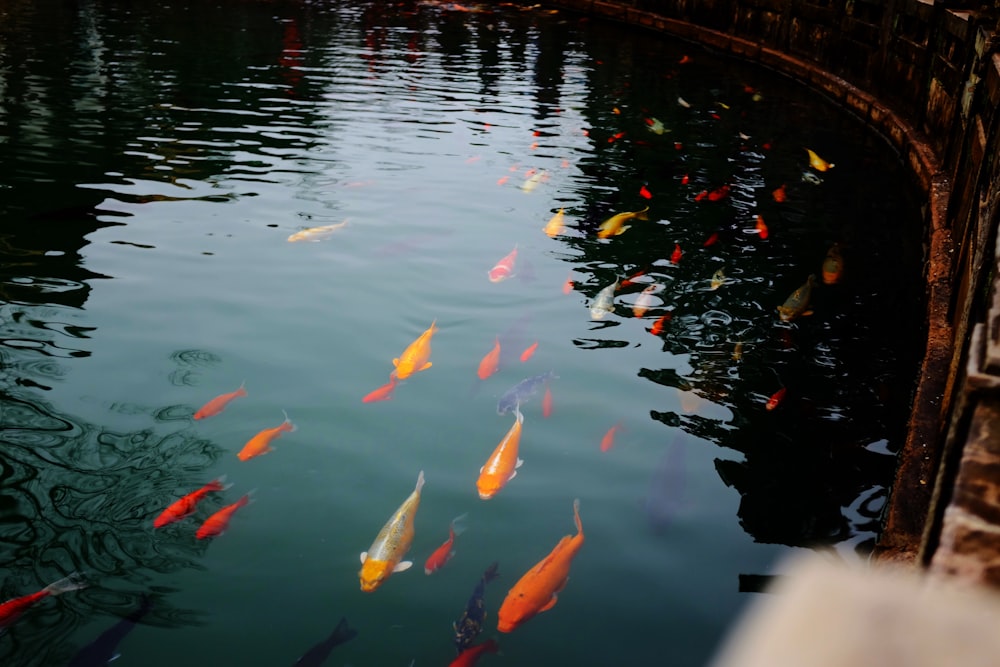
(926, 75)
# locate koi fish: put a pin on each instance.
(675, 256)
(260, 444)
(818, 163)
(645, 193)
(538, 589)
(185, 506)
(521, 392)
(633, 279)
(502, 465)
(470, 656)
(615, 225)
(604, 302)
(645, 300)
(655, 126)
(443, 553)
(491, 362)
(775, 399)
(103, 650)
(833, 265)
(383, 393)
(318, 654)
(216, 524)
(529, 351)
(219, 403)
(660, 324)
(532, 181)
(683, 102)
(685, 179)
(385, 555)
(608, 441)
(12, 609)
(761, 227)
(711, 240)
(470, 623)
(718, 279)
(555, 225)
(738, 351)
(780, 195)
(416, 356)
(568, 285)
(718, 193)
(314, 234)
(547, 402)
(797, 304)
(504, 268)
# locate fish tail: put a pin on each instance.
(576, 516)
(420, 482)
(241, 390)
(246, 499)
(343, 632)
(290, 426)
(643, 214)
(457, 526)
(218, 484)
(492, 572)
(72, 582)
(517, 413)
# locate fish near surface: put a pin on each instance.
(646, 300)
(12, 609)
(818, 163)
(216, 524)
(522, 391)
(490, 362)
(318, 654)
(797, 304)
(502, 465)
(443, 553)
(470, 623)
(470, 656)
(416, 356)
(556, 224)
(260, 444)
(604, 302)
(503, 269)
(615, 225)
(385, 556)
(184, 507)
(316, 233)
(538, 589)
(383, 393)
(219, 403)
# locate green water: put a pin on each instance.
(156, 157)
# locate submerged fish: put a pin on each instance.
(261, 443)
(316, 233)
(443, 553)
(219, 403)
(646, 300)
(318, 654)
(818, 163)
(470, 623)
(604, 302)
(532, 181)
(615, 225)
(718, 279)
(833, 265)
(186, 505)
(797, 304)
(504, 268)
(216, 524)
(385, 556)
(809, 177)
(522, 391)
(655, 126)
(104, 649)
(12, 609)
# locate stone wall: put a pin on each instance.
(926, 75)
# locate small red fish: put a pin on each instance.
(701, 195)
(383, 393)
(185, 506)
(444, 552)
(261, 443)
(504, 268)
(775, 399)
(216, 524)
(711, 240)
(675, 256)
(684, 60)
(631, 280)
(684, 179)
(528, 351)
(502, 180)
(615, 137)
(470, 656)
(660, 324)
(761, 227)
(678, 146)
(608, 441)
(491, 362)
(547, 403)
(720, 192)
(779, 194)
(219, 403)
(645, 193)
(12, 609)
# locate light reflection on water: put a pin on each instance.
(163, 156)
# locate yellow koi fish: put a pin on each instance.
(532, 181)
(416, 356)
(555, 226)
(797, 304)
(385, 555)
(718, 278)
(818, 163)
(615, 225)
(316, 233)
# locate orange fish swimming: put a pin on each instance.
(491, 362)
(416, 356)
(718, 193)
(780, 195)
(503, 463)
(660, 324)
(444, 552)
(504, 268)
(538, 589)
(761, 227)
(470, 656)
(528, 351)
(776, 399)
(608, 441)
(12, 609)
(385, 555)
(675, 256)
(219, 403)
(185, 506)
(261, 443)
(568, 285)
(547, 402)
(216, 524)
(556, 224)
(383, 393)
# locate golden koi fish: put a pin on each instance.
(416, 356)
(797, 304)
(718, 278)
(316, 233)
(615, 225)
(555, 226)
(385, 555)
(818, 163)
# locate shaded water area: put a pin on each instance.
(156, 160)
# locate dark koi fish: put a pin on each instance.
(520, 392)
(470, 624)
(318, 654)
(104, 649)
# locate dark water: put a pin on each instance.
(156, 157)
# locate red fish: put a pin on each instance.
(632, 279)
(775, 399)
(720, 192)
(684, 179)
(568, 285)
(711, 240)
(701, 195)
(530, 350)
(491, 362)
(684, 60)
(470, 656)
(504, 268)
(608, 441)
(444, 552)
(216, 524)
(383, 393)
(219, 403)
(185, 506)
(547, 403)
(11, 610)
(761, 227)
(780, 195)
(675, 256)
(660, 324)
(645, 193)
(261, 443)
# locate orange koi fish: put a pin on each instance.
(416, 356)
(383, 393)
(470, 656)
(385, 555)
(685, 179)
(12, 609)
(615, 225)
(761, 227)
(219, 403)
(491, 362)
(444, 552)
(701, 195)
(780, 195)
(833, 265)
(675, 257)
(503, 463)
(608, 441)
(720, 192)
(660, 324)
(538, 589)
(185, 506)
(547, 402)
(530, 350)
(504, 268)
(556, 224)
(260, 444)
(216, 524)
(776, 399)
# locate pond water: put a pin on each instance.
(157, 158)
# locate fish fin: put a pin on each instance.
(402, 566)
(395, 362)
(513, 474)
(551, 603)
(623, 229)
(364, 557)
(806, 313)
(114, 657)
(457, 525)
(642, 215)
(425, 366)
(519, 463)
(420, 482)
(481, 469)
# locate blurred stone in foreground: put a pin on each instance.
(824, 614)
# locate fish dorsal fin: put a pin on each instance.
(623, 229)
(551, 603)
(426, 366)
(402, 566)
(519, 463)
(364, 557)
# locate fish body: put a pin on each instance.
(529, 351)
(645, 300)
(385, 555)
(615, 225)
(556, 224)
(738, 351)
(318, 654)
(833, 265)
(383, 393)
(604, 302)
(547, 402)
(470, 623)
(608, 441)
(718, 279)
(780, 195)
(316, 233)
(675, 256)
(655, 126)
(260, 444)
(775, 399)
(219, 403)
(534, 180)
(521, 392)
(502, 465)
(12, 609)
(443, 553)
(470, 656)
(761, 227)
(216, 524)
(818, 163)
(416, 356)
(185, 506)
(538, 589)
(718, 193)
(491, 362)
(503, 269)
(797, 304)
(103, 650)
(660, 324)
